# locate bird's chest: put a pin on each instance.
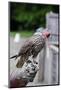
(38, 43)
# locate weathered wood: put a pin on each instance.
(52, 23)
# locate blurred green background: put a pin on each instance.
(25, 18)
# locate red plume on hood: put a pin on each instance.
(46, 33)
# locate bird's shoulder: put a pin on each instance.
(27, 45)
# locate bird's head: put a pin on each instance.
(45, 33)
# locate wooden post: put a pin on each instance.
(41, 65)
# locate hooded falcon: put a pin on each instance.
(31, 47)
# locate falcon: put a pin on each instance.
(31, 47)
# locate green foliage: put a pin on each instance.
(22, 33)
(30, 15)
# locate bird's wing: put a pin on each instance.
(25, 52)
(26, 46)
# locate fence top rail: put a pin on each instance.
(54, 48)
(54, 34)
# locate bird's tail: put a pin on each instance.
(15, 56)
(21, 62)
